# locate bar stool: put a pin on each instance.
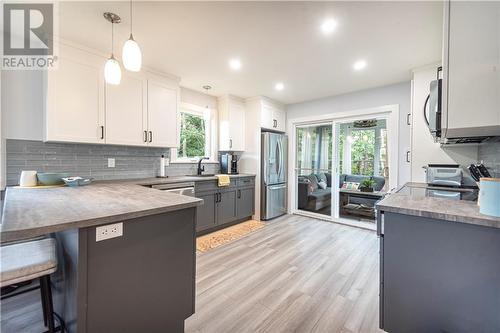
(29, 260)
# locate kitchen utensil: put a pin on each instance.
(28, 178)
(483, 171)
(51, 178)
(474, 172)
(488, 196)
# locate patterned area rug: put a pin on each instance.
(227, 235)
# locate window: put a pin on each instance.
(195, 134)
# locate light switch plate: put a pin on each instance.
(111, 162)
(108, 231)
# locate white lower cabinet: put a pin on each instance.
(141, 111)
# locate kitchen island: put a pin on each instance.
(439, 263)
(140, 281)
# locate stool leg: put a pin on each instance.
(48, 299)
(44, 303)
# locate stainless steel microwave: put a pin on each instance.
(432, 107)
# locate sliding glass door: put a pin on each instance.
(341, 169)
(313, 169)
(363, 168)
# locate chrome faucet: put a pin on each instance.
(201, 168)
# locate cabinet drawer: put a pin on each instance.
(246, 181)
(212, 185)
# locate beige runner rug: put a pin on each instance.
(227, 235)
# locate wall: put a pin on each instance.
(88, 160)
(393, 94)
(489, 154)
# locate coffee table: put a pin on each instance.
(349, 208)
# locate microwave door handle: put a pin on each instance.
(425, 109)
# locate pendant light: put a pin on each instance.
(112, 70)
(131, 53)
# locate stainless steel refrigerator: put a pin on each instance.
(274, 173)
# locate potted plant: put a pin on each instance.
(367, 185)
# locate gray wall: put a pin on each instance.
(399, 93)
(489, 153)
(90, 160)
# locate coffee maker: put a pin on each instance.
(229, 163)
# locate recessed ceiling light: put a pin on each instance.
(279, 86)
(359, 65)
(328, 26)
(235, 64)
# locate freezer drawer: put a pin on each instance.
(274, 201)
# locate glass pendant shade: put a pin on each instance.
(112, 71)
(131, 55)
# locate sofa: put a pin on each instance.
(313, 197)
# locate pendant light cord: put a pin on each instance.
(131, 17)
(112, 39)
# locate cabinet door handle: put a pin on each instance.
(102, 132)
(408, 119)
(216, 197)
(219, 197)
(408, 156)
(150, 136)
(145, 136)
(230, 143)
(239, 194)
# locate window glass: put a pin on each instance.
(193, 136)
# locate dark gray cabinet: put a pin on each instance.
(438, 276)
(224, 205)
(205, 218)
(245, 202)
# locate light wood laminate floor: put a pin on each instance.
(297, 274)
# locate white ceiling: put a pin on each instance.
(276, 41)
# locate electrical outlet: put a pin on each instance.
(111, 162)
(108, 231)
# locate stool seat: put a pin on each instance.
(26, 261)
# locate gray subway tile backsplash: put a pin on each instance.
(89, 160)
(489, 153)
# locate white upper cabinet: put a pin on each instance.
(75, 99)
(273, 116)
(162, 114)
(471, 69)
(141, 111)
(231, 124)
(125, 105)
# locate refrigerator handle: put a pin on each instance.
(265, 172)
(278, 158)
(280, 145)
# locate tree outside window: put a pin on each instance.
(192, 136)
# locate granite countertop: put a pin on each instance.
(34, 212)
(404, 202)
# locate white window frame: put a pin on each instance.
(210, 116)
